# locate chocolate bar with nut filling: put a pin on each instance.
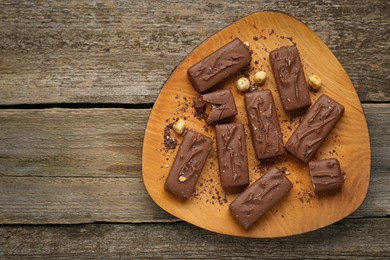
(260, 197)
(222, 105)
(232, 156)
(189, 162)
(290, 79)
(264, 124)
(219, 65)
(318, 122)
(326, 176)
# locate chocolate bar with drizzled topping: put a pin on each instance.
(188, 165)
(318, 122)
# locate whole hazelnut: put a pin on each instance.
(179, 126)
(260, 77)
(243, 84)
(314, 82)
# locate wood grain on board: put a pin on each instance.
(34, 189)
(123, 51)
(349, 141)
(347, 239)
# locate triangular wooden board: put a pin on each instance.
(301, 211)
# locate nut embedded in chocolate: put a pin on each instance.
(219, 65)
(326, 176)
(222, 105)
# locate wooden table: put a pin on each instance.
(77, 83)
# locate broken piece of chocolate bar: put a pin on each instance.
(188, 164)
(219, 65)
(222, 105)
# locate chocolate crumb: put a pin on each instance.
(200, 108)
(169, 142)
(245, 71)
(255, 38)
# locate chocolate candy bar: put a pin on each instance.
(264, 124)
(326, 176)
(222, 105)
(232, 156)
(219, 65)
(188, 164)
(315, 127)
(259, 197)
(290, 79)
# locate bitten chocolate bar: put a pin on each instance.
(232, 156)
(260, 197)
(219, 65)
(326, 176)
(188, 164)
(290, 79)
(222, 105)
(315, 127)
(263, 124)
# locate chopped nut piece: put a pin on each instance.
(314, 82)
(246, 44)
(179, 126)
(182, 179)
(243, 84)
(260, 77)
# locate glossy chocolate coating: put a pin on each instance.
(232, 156)
(326, 176)
(222, 105)
(219, 65)
(188, 164)
(264, 124)
(259, 197)
(290, 79)
(315, 127)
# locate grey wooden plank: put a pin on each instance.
(123, 51)
(53, 166)
(347, 239)
(45, 200)
(72, 142)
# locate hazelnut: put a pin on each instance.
(260, 77)
(314, 82)
(182, 178)
(179, 126)
(243, 84)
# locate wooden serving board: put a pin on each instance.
(301, 211)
